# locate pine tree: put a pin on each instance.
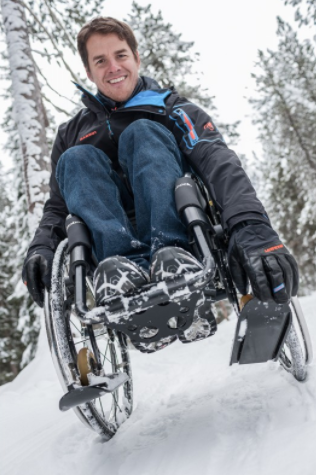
(28, 109)
(286, 115)
(11, 345)
(23, 315)
(305, 12)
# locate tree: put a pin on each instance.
(306, 15)
(28, 109)
(11, 344)
(286, 114)
(20, 324)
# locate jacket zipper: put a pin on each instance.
(109, 128)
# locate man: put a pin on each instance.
(125, 151)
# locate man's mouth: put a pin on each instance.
(116, 80)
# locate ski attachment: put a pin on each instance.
(99, 387)
(260, 333)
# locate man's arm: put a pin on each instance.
(36, 273)
(218, 166)
(255, 252)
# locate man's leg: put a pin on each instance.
(93, 191)
(150, 157)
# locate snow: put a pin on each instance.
(193, 414)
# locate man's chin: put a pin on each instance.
(117, 96)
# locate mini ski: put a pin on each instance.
(99, 387)
(261, 331)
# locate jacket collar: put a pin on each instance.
(110, 104)
(98, 102)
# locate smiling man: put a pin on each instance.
(112, 66)
(121, 155)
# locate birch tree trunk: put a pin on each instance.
(28, 109)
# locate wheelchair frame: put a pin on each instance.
(102, 333)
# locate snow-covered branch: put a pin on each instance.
(54, 44)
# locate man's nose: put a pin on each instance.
(114, 66)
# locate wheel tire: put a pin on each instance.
(63, 328)
(296, 363)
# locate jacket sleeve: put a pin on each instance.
(51, 229)
(219, 167)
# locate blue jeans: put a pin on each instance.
(150, 157)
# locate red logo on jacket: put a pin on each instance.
(209, 126)
(88, 135)
(274, 248)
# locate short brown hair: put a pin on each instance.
(104, 26)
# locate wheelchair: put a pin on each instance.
(90, 345)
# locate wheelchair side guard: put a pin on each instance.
(99, 387)
(261, 330)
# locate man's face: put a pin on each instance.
(112, 66)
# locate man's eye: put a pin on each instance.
(122, 55)
(100, 61)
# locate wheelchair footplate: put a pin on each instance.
(99, 386)
(261, 330)
(162, 312)
(161, 323)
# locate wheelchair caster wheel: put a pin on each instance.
(86, 365)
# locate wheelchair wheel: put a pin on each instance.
(291, 356)
(297, 351)
(68, 338)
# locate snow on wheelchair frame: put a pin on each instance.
(90, 345)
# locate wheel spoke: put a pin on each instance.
(115, 401)
(101, 407)
(111, 412)
(104, 358)
(81, 341)
(106, 350)
(72, 323)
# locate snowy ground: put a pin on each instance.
(193, 414)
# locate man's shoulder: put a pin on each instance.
(150, 83)
(81, 116)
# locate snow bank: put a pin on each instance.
(193, 414)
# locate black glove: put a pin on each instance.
(37, 273)
(255, 252)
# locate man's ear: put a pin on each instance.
(138, 59)
(89, 75)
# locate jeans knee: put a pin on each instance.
(81, 152)
(144, 127)
(82, 155)
(81, 159)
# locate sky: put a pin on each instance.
(228, 35)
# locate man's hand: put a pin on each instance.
(255, 252)
(37, 272)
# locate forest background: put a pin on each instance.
(38, 43)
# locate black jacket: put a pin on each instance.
(101, 123)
